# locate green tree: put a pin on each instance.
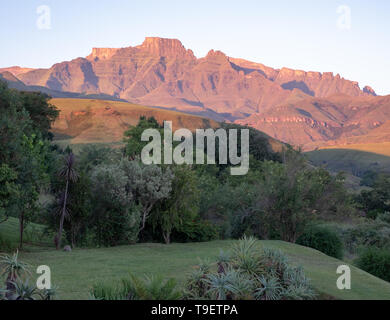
(292, 195)
(115, 216)
(9, 190)
(148, 185)
(181, 205)
(134, 145)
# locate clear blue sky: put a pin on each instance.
(300, 34)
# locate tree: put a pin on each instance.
(41, 112)
(134, 145)
(115, 216)
(24, 149)
(9, 190)
(148, 185)
(291, 195)
(377, 200)
(68, 172)
(181, 205)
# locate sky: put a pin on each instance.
(349, 37)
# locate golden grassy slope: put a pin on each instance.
(100, 121)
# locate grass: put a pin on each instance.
(353, 161)
(382, 148)
(84, 121)
(75, 273)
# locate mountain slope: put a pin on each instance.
(310, 109)
(101, 121)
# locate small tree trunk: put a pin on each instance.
(167, 237)
(63, 214)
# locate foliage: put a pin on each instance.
(180, 207)
(375, 261)
(249, 272)
(8, 190)
(195, 231)
(292, 195)
(377, 200)
(322, 239)
(135, 288)
(116, 217)
(368, 234)
(134, 145)
(24, 125)
(148, 184)
(17, 283)
(69, 174)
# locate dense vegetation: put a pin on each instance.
(100, 196)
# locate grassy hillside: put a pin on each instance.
(382, 148)
(101, 121)
(74, 273)
(355, 159)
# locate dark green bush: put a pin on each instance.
(195, 231)
(375, 261)
(6, 245)
(322, 239)
(369, 234)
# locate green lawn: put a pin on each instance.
(74, 273)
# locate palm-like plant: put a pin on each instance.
(24, 291)
(69, 173)
(270, 289)
(13, 269)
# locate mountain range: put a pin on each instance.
(309, 109)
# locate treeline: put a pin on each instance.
(106, 196)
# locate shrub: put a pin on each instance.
(6, 245)
(195, 231)
(375, 261)
(369, 234)
(322, 239)
(249, 272)
(135, 288)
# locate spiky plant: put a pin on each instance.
(3, 293)
(48, 294)
(24, 291)
(219, 285)
(270, 289)
(13, 269)
(246, 256)
(223, 261)
(250, 273)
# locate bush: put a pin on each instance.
(247, 273)
(134, 288)
(375, 261)
(369, 234)
(322, 239)
(6, 245)
(195, 231)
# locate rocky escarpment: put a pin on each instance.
(291, 105)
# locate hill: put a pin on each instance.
(354, 159)
(75, 273)
(101, 121)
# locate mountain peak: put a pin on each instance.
(165, 47)
(102, 53)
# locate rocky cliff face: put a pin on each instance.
(291, 105)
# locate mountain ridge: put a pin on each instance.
(299, 107)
